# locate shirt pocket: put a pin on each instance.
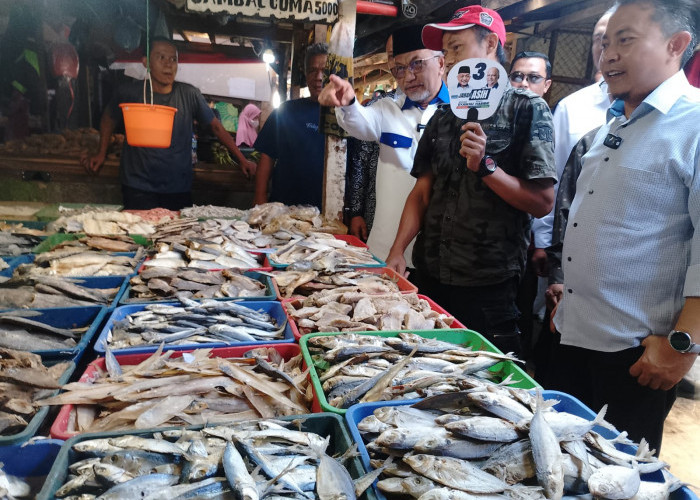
(635, 197)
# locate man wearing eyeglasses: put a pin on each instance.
(397, 123)
(532, 71)
(477, 186)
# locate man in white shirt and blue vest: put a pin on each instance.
(397, 123)
(629, 317)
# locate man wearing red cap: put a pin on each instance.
(397, 123)
(478, 185)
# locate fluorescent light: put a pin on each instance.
(276, 100)
(268, 56)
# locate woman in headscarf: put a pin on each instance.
(248, 123)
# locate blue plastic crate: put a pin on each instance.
(121, 312)
(15, 262)
(38, 419)
(37, 458)
(270, 292)
(566, 403)
(71, 317)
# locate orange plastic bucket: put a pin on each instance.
(148, 125)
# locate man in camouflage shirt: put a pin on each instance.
(473, 217)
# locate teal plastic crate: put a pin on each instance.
(323, 424)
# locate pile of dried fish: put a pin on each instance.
(95, 222)
(109, 243)
(505, 442)
(19, 331)
(155, 283)
(203, 254)
(23, 380)
(323, 252)
(249, 460)
(17, 244)
(77, 261)
(283, 221)
(155, 215)
(208, 321)
(13, 486)
(188, 390)
(357, 368)
(307, 282)
(213, 212)
(215, 231)
(46, 291)
(20, 228)
(327, 311)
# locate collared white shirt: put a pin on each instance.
(397, 131)
(574, 116)
(631, 252)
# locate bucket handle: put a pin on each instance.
(148, 77)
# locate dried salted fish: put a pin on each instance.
(46, 291)
(212, 211)
(17, 244)
(100, 223)
(323, 252)
(70, 262)
(23, 377)
(171, 390)
(304, 283)
(362, 312)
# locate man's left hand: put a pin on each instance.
(661, 367)
(473, 144)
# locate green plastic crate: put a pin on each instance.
(462, 337)
(323, 424)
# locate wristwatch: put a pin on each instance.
(683, 342)
(486, 167)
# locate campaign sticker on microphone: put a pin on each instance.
(478, 84)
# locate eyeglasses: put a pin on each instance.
(399, 71)
(519, 76)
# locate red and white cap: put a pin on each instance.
(464, 18)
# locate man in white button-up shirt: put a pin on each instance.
(397, 123)
(631, 255)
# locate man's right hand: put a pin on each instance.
(337, 92)
(397, 262)
(553, 294)
(358, 227)
(93, 163)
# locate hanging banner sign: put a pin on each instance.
(323, 11)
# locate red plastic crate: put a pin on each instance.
(297, 335)
(59, 429)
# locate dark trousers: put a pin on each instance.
(597, 378)
(489, 310)
(135, 199)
